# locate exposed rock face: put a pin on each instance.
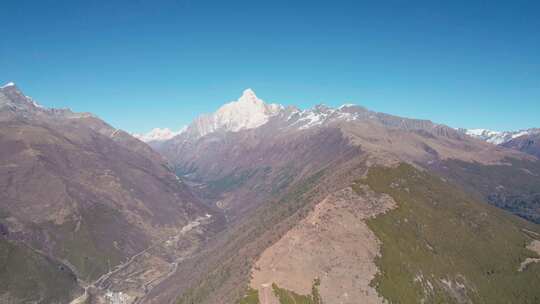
(250, 112)
(81, 192)
(332, 244)
(534, 246)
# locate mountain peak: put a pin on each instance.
(158, 134)
(9, 84)
(15, 98)
(247, 112)
(248, 94)
(249, 98)
(496, 137)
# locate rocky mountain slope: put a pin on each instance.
(79, 201)
(247, 112)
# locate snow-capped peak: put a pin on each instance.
(482, 132)
(496, 137)
(159, 134)
(322, 114)
(347, 105)
(249, 96)
(9, 84)
(247, 112)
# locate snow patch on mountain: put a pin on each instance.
(347, 105)
(9, 84)
(322, 115)
(34, 103)
(159, 134)
(496, 137)
(313, 117)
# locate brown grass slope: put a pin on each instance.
(81, 191)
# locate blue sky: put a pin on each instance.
(140, 64)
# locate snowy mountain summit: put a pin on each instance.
(494, 137)
(250, 112)
(158, 134)
(498, 138)
(9, 84)
(247, 112)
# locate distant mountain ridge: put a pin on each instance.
(527, 140)
(498, 137)
(158, 134)
(250, 112)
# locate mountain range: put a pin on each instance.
(499, 138)
(249, 112)
(527, 141)
(262, 203)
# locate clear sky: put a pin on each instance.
(140, 64)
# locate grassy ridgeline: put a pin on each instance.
(441, 246)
